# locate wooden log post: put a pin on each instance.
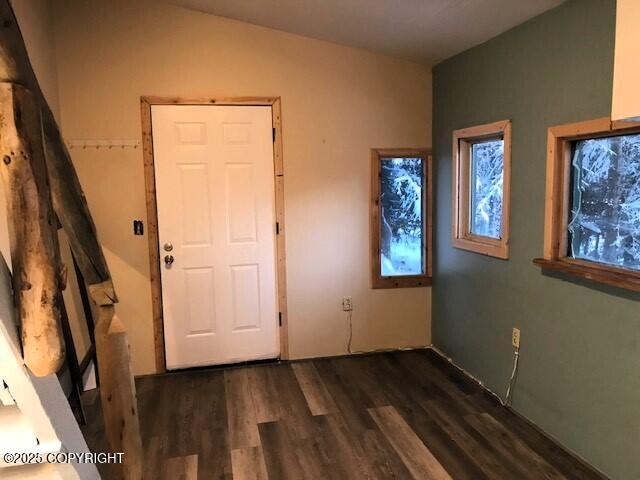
(35, 257)
(117, 388)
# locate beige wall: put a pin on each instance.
(626, 74)
(35, 21)
(337, 102)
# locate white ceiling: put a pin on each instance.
(423, 30)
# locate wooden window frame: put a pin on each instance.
(404, 281)
(146, 102)
(462, 238)
(557, 201)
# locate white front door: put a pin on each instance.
(216, 224)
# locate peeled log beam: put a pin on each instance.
(71, 206)
(32, 230)
(68, 199)
(118, 391)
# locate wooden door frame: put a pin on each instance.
(152, 211)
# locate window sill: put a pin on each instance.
(401, 282)
(614, 277)
(486, 246)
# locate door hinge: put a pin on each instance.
(277, 228)
(279, 319)
(273, 134)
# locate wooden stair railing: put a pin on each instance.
(41, 183)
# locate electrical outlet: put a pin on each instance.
(347, 304)
(515, 338)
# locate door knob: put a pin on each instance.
(168, 260)
(168, 247)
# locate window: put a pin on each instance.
(604, 217)
(592, 212)
(481, 173)
(401, 218)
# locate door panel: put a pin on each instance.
(241, 203)
(194, 184)
(191, 133)
(246, 297)
(215, 197)
(201, 316)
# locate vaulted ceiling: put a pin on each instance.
(427, 31)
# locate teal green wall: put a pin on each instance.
(579, 377)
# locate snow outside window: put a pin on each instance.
(487, 169)
(401, 217)
(604, 219)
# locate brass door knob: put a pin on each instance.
(168, 260)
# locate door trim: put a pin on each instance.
(152, 212)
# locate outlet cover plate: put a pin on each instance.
(515, 337)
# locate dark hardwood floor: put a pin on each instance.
(405, 415)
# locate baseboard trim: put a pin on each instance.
(360, 353)
(521, 416)
(279, 361)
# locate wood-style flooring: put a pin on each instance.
(401, 415)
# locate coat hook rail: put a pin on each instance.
(106, 144)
